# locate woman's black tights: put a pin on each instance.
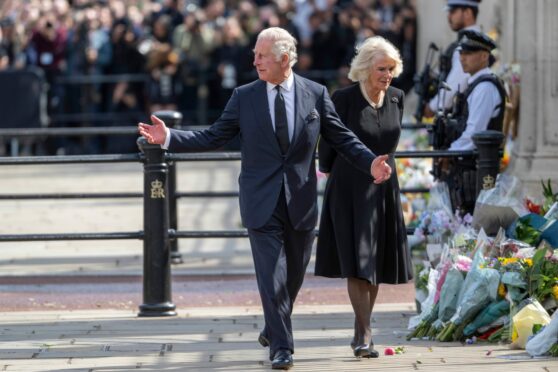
(363, 296)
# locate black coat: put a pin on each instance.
(362, 231)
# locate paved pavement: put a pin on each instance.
(72, 306)
(224, 338)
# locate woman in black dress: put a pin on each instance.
(362, 232)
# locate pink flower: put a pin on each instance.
(463, 263)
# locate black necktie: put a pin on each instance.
(281, 126)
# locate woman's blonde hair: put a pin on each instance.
(368, 53)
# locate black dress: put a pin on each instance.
(362, 231)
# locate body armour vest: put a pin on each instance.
(461, 109)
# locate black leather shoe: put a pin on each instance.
(366, 351)
(263, 340)
(283, 359)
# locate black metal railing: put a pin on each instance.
(160, 230)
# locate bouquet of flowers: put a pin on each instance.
(436, 225)
(489, 314)
(542, 277)
(545, 340)
(478, 290)
(475, 297)
(513, 273)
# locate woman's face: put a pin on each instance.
(381, 74)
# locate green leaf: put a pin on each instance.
(537, 328)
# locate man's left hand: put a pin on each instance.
(380, 169)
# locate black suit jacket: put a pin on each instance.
(264, 169)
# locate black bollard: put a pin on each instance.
(488, 145)
(172, 119)
(156, 252)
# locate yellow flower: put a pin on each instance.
(502, 290)
(528, 261)
(555, 292)
(506, 261)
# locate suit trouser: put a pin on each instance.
(281, 255)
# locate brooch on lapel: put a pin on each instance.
(394, 99)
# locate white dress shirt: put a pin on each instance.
(456, 79)
(287, 89)
(482, 104)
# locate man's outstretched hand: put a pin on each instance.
(156, 133)
(380, 170)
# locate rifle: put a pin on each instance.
(426, 83)
(437, 133)
(442, 120)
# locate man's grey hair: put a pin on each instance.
(368, 54)
(283, 43)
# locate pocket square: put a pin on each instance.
(312, 116)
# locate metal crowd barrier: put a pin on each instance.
(160, 228)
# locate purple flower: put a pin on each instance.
(468, 219)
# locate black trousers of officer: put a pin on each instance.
(281, 255)
(462, 184)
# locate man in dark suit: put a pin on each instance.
(279, 118)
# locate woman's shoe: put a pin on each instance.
(366, 351)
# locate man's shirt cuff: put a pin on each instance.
(165, 146)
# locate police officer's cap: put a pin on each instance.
(452, 4)
(472, 41)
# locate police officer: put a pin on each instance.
(478, 108)
(462, 16)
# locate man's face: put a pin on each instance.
(456, 18)
(473, 61)
(267, 66)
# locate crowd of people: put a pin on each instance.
(193, 53)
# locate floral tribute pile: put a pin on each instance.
(480, 288)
